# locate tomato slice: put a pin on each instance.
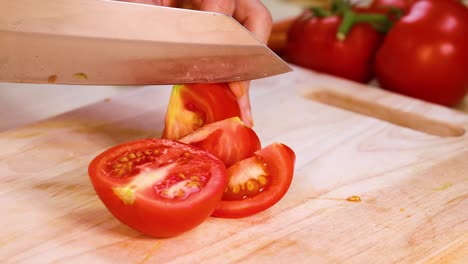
(230, 140)
(258, 182)
(159, 187)
(193, 105)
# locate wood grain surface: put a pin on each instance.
(410, 172)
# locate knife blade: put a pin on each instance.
(102, 42)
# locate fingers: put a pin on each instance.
(220, 6)
(255, 17)
(138, 1)
(241, 91)
(252, 14)
(153, 2)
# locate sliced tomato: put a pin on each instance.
(258, 182)
(159, 187)
(230, 140)
(193, 105)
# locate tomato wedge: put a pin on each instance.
(159, 187)
(193, 105)
(230, 140)
(258, 182)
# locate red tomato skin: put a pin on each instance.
(425, 54)
(159, 217)
(312, 44)
(230, 140)
(194, 105)
(280, 160)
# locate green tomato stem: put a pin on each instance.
(346, 25)
(379, 22)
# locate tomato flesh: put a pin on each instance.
(246, 179)
(268, 174)
(230, 140)
(159, 187)
(193, 105)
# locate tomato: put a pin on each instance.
(258, 182)
(230, 140)
(312, 43)
(159, 187)
(193, 105)
(425, 54)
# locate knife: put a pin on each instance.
(103, 42)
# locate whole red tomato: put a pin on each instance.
(313, 43)
(425, 54)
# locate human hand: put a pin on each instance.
(252, 14)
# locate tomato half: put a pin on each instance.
(159, 187)
(193, 105)
(258, 182)
(230, 140)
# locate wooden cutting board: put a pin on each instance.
(410, 173)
